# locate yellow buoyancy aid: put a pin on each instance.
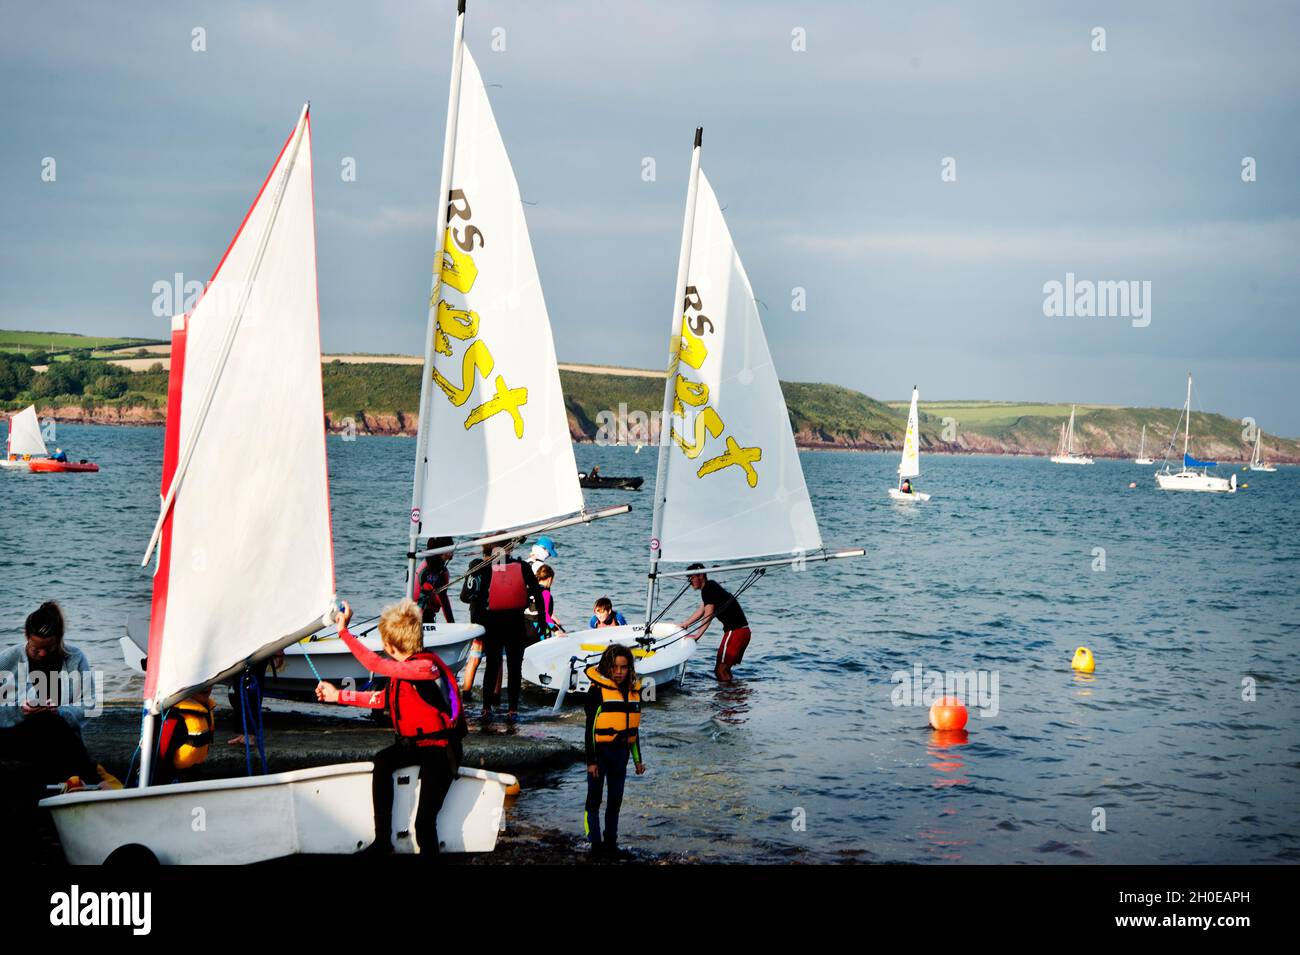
(619, 715)
(196, 718)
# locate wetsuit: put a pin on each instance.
(507, 630)
(735, 626)
(612, 737)
(429, 727)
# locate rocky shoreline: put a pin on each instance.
(404, 424)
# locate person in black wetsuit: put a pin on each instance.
(716, 602)
(507, 584)
(431, 584)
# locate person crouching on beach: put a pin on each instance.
(612, 737)
(427, 718)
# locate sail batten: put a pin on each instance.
(246, 552)
(496, 432)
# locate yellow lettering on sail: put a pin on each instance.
(735, 454)
(694, 393)
(691, 350)
(458, 268)
(477, 358)
(458, 323)
(706, 420)
(508, 400)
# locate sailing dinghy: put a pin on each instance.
(910, 465)
(1194, 475)
(1066, 454)
(729, 487)
(1255, 463)
(246, 565)
(1142, 449)
(25, 442)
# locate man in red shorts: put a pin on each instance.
(716, 602)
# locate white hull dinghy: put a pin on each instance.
(729, 486)
(1194, 475)
(909, 466)
(25, 442)
(245, 558)
(259, 818)
(560, 663)
(1065, 454)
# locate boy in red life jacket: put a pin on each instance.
(428, 722)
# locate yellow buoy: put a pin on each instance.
(1083, 661)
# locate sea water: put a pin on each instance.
(1182, 746)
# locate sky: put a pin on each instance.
(828, 129)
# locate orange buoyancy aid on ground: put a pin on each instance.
(188, 733)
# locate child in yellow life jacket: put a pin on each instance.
(612, 737)
(183, 740)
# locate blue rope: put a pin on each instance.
(315, 672)
(246, 685)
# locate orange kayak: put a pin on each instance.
(49, 466)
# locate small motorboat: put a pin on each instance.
(597, 480)
(51, 466)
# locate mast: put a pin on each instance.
(665, 420)
(1069, 447)
(1143, 445)
(426, 380)
(1187, 418)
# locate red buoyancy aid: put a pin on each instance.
(507, 591)
(420, 711)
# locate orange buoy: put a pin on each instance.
(948, 714)
(1132, 484)
(513, 789)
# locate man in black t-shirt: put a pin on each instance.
(716, 602)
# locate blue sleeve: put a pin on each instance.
(620, 619)
(591, 624)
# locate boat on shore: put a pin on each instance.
(259, 540)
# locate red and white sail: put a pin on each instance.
(245, 554)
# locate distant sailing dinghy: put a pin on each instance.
(246, 565)
(1142, 450)
(1255, 463)
(910, 466)
(1066, 454)
(729, 486)
(24, 443)
(1194, 475)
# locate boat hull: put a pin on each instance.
(547, 664)
(611, 483)
(1071, 459)
(1263, 468)
(897, 495)
(1144, 461)
(47, 466)
(19, 465)
(335, 663)
(324, 810)
(1192, 481)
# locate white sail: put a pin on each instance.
(1254, 458)
(25, 434)
(910, 465)
(1069, 441)
(1142, 448)
(733, 484)
(497, 434)
(245, 553)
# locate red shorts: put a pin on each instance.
(732, 649)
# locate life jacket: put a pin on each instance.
(507, 591)
(191, 734)
(619, 716)
(420, 711)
